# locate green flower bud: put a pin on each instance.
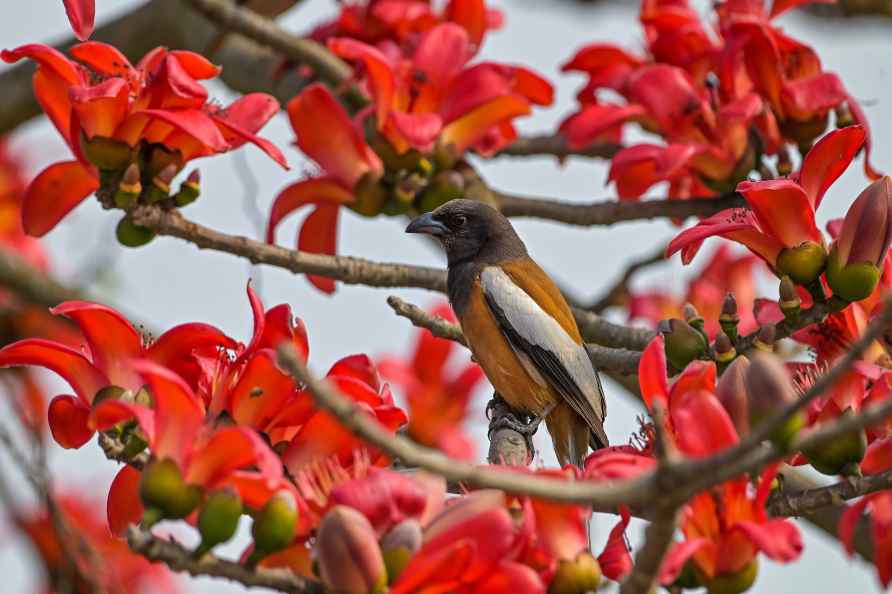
(580, 576)
(840, 456)
(110, 393)
(218, 519)
(162, 488)
(764, 341)
(729, 319)
(736, 582)
(129, 188)
(160, 188)
(190, 189)
(803, 263)
(107, 153)
(370, 195)
(132, 235)
(274, 526)
(347, 553)
(683, 342)
(790, 303)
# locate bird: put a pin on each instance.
(519, 327)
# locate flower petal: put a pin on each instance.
(471, 16)
(242, 119)
(383, 496)
(281, 326)
(231, 449)
(310, 191)
(615, 560)
(68, 420)
(827, 160)
(124, 506)
(261, 391)
(194, 123)
(678, 555)
(319, 235)
(420, 130)
(81, 15)
(104, 59)
(469, 128)
(783, 210)
(779, 539)
(326, 134)
(112, 340)
(174, 348)
(377, 71)
(74, 368)
(652, 374)
(510, 576)
(178, 412)
(53, 194)
(702, 425)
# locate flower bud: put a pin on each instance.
(274, 526)
(370, 195)
(731, 392)
(769, 391)
(162, 488)
(854, 266)
(348, 555)
(784, 162)
(218, 519)
(190, 189)
(840, 456)
(579, 576)
(843, 116)
(729, 319)
(398, 546)
(107, 153)
(443, 187)
(129, 188)
(683, 342)
(803, 263)
(724, 350)
(162, 157)
(765, 338)
(734, 582)
(160, 188)
(132, 235)
(407, 188)
(790, 303)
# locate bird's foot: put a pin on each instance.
(502, 416)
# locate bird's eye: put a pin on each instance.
(460, 220)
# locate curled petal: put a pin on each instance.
(48, 57)
(244, 118)
(702, 425)
(779, 539)
(326, 134)
(783, 210)
(178, 412)
(469, 128)
(617, 463)
(827, 160)
(111, 338)
(510, 576)
(261, 391)
(124, 506)
(319, 235)
(310, 191)
(358, 367)
(615, 560)
(174, 348)
(281, 326)
(195, 65)
(231, 449)
(53, 194)
(68, 420)
(652, 374)
(74, 368)
(194, 123)
(378, 72)
(588, 125)
(104, 59)
(678, 555)
(259, 320)
(384, 497)
(471, 16)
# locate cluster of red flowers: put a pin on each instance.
(721, 100)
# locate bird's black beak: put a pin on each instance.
(426, 223)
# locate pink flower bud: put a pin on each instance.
(347, 551)
(731, 392)
(853, 269)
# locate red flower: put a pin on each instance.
(725, 528)
(782, 212)
(438, 403)
(175, 429)
(877, 460)
(328, 136)
(434, 98)
(121, 570)
(160, 101)
(471, 547)
(111, 344)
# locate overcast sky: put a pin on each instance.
(169, 282)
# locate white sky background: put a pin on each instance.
(169, 282)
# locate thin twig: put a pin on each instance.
(803, 502)
(556, 145)
(179, 558)
(657, 540)
(618, 292)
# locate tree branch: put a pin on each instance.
(556, 145)
(610, 212)
(179, 558)
(657, 540)
(618, 292)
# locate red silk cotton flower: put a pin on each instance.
(82, 16)
(157, 107)
(780, 226)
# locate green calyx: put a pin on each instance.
(132, 235)
(162, 488)
(851, 282)
(803, 263)
(218, 519)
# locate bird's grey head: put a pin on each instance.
(468, 229)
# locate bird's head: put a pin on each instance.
(467, 228)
